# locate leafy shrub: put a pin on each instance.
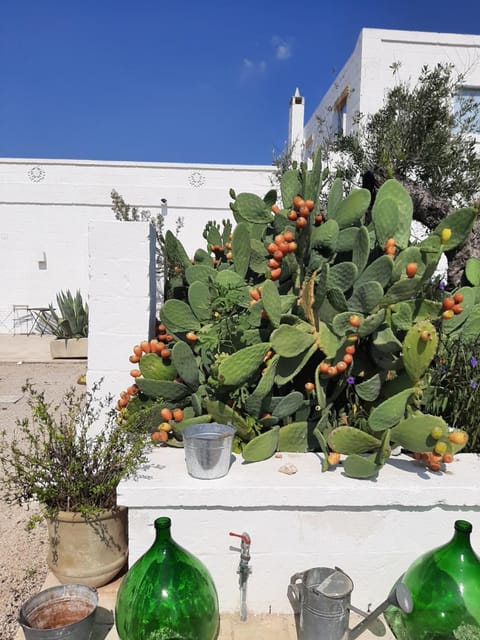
(454, 386)
(55, 460)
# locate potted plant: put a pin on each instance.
(68, 322)
(309, 325)
(55, 459)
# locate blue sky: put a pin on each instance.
(190, 81)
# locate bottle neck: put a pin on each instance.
(162, 530)
(461, 536)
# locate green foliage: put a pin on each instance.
(416, 135)
(69, 318)
(54, 459)
(308, 336)
(454, 385)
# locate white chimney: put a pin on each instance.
(295, 126)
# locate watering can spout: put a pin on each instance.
(399, 597)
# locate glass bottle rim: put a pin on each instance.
(162, 523)
(463, 526)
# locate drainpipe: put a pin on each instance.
(243, 570)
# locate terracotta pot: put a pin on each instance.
(69, 348)
(89, 552)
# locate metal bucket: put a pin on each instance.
(64, 612)
(322, 598)
(208, 449)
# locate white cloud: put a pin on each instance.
(282, 50)
(253, 67)
(283, 47)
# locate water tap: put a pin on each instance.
(243, 570)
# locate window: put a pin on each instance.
(340, 108)
(473, 94)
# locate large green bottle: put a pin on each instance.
(168, 594)
(445, 588)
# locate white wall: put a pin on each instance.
(47, 205)
(121, 298)
(372, 529)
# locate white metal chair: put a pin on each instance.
(22, 319)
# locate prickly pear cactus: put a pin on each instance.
(305, 325)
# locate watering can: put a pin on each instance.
(321, 597)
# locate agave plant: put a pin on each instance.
(69, 318)
(306, 326)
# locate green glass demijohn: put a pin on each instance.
(445, 588)
(168, 594)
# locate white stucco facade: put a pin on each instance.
(47, 205)
(362, 83)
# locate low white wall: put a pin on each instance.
(121, 299)
(373, 530)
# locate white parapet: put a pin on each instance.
(372, 529)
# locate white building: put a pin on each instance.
(361, 85)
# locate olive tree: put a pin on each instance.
(424, 136)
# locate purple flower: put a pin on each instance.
(441, 285)
(473, 361)
(473, 384)
(350, 380)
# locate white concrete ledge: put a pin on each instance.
(372, 529)
(402, 482)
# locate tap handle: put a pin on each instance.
(245, 538)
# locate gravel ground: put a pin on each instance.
(22, 553)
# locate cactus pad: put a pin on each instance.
(289, 341)
(414, 433)
(348, 440)
(239, 366)
(154, 367)
(361, 467)
(389, 412)
(293, 437)
(262, 446)
(419, 347)
(178, 316)
(162, 389)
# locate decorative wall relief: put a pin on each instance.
(36, 174)
(196, 179)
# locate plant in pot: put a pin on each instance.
(68, 322)
(307, 325)
(57, 460)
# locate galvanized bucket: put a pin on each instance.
(64, 612)
(322, 598)
(208, 449)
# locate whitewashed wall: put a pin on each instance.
(368, 70)
(47, 205)
(372, 529)
(121, 299)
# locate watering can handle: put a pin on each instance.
(294, 593)
(296, 577)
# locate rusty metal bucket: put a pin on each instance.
(64, 612)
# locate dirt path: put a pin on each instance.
(23, 553)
